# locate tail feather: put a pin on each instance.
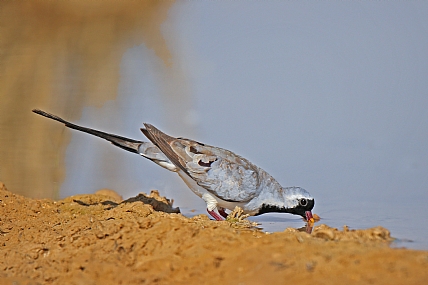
(122, 142)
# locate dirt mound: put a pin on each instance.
(99, 239)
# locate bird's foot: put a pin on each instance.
(215, 215)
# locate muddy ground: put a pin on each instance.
(99, 239)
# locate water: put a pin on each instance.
(408, 229)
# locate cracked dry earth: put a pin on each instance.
(99, 239)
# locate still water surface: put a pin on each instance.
(409, 229)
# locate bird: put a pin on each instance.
(220, 177)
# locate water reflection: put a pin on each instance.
(62, 57)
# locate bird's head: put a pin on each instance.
(293, 200)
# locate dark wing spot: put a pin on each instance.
(194, 150)
(206, 164)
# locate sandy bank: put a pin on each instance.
(98, 239)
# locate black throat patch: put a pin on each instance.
(298, 210)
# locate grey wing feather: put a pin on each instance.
(163, 141)
(223, 173)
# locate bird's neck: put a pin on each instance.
(271, 193)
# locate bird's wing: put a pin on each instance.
(221, 172)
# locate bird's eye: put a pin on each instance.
(303, 202)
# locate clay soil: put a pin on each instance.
(100, 239)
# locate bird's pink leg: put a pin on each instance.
(222, 212)
(215, 215)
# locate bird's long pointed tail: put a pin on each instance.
(122, 142)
